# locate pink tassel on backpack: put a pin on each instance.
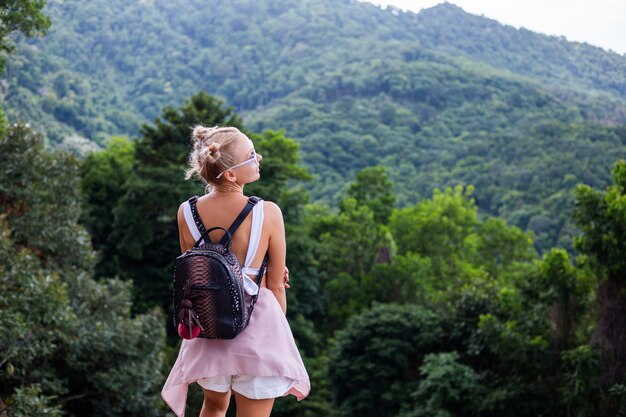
(190, 328)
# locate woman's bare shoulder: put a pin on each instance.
(272, 208)
(272, 211)
(180, 215)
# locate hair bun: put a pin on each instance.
(208, 150)
(214, 150)
(202, 134)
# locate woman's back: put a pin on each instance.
(221, 210)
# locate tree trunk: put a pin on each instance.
(610, 332)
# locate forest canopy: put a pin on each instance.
(354, 85)
(454, 213)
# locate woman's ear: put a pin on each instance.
(230, 176)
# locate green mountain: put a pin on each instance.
(551, 60)
(441, 97)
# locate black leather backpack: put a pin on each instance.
(209, 297)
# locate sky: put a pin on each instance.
(598, 22)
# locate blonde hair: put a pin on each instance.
(212, 153)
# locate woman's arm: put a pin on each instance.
(277, 252)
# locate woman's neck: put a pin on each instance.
(228, 189)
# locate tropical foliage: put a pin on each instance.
(444, 261)
(68, 344)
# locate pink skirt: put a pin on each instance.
(265, 348)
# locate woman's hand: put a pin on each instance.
(286, 277)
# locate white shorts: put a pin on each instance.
(253, 387)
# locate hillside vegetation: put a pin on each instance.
(442, 97)
(409, 296)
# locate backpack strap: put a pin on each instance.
(244, 213)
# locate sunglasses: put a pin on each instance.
(250, 161)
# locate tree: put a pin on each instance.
(67, 343)
(405, 279)
(373, 188)
(20, 16)
(500, 246)
(448, 388)
(376, 358)
(350, 244)
(104, 176)
(440, 229)
(446, 229)
(601, 217)
(566, 290)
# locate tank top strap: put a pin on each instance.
(191, 223)
(255, 233)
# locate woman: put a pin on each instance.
(262, 362)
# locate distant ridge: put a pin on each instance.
(441, 97)
(210, 45)
(447, 27)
